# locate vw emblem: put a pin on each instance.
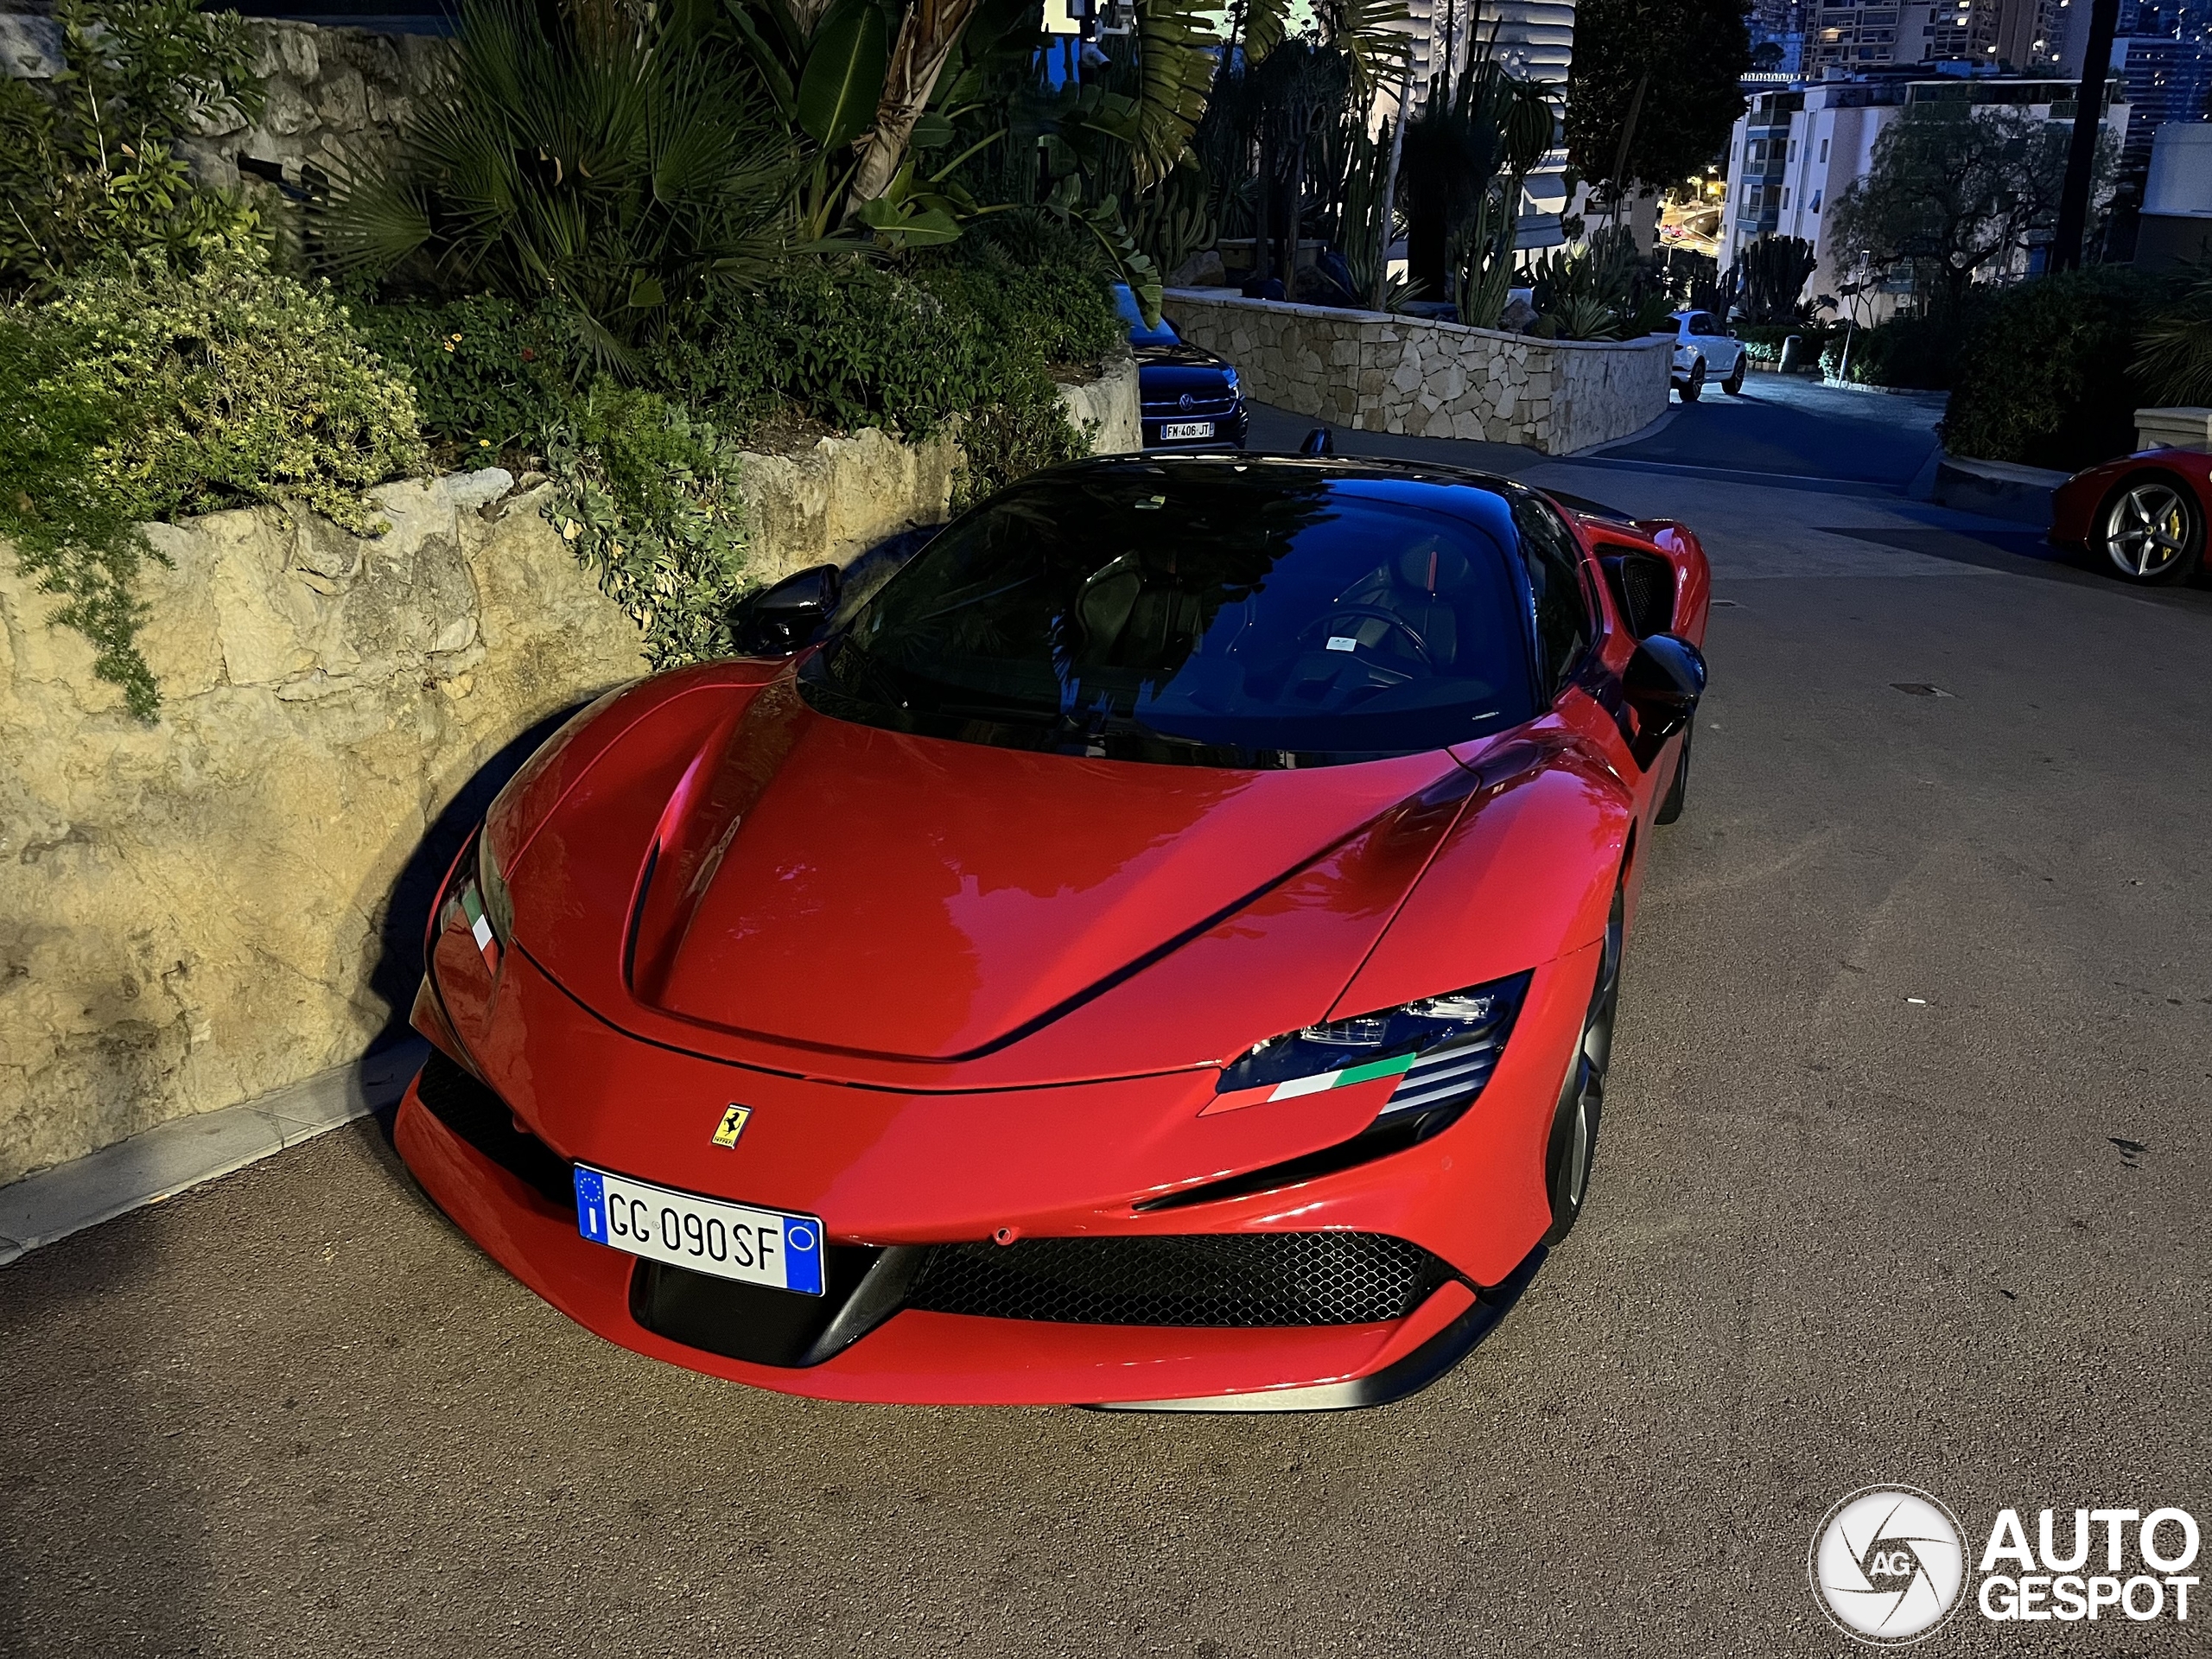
(1186, 402)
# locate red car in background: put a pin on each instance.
(2141, 517)
(1161, 949)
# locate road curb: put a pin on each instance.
(185, 1152)
(1997, 489)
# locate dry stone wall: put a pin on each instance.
(1374, 372)
(333, 96)
(199, 910)
(846, 494)
(193, 911)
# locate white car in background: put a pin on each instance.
(1704, 349)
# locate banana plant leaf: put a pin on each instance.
(843, 82)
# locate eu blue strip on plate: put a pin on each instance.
(591, 1204)
(802, 1255)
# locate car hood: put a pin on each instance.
(752, 867)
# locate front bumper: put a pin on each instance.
(895, 1177)
(928, 1358)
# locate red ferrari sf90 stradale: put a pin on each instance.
(1160, 948)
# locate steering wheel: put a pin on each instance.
(1389, 618)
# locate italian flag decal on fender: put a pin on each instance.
(1350, 1077)
(479, 924)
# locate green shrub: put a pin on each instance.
(147, 391)
(2047, 377)
(2176, 356)
(87, 163)
(856, 345)
(611, 162)
(1912, 350)
(647, 497)
(486, 371)
(1763, 341)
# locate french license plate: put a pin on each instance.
(730, 1240)
(1174, 429)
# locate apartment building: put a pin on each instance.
(1861, 34)
(1793, 154)
(1532, 38)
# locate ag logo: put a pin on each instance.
(1887, 1565)
(733, 1125)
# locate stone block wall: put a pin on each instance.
(334, 96)
(199, 910)
(1374, 373)
(837, 499)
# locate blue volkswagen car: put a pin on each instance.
(1191, 397)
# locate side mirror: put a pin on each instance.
(1665, 680)
(782, 617)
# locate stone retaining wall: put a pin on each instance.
(199, 911)
(845, 495)
(333, 96)
(1374, 372)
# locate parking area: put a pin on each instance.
(1905, 1178)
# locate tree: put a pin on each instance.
(1956, 188)
(1770, 274)
(1654, 87)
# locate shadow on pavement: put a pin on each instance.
(1796, 428)
(2024, 553)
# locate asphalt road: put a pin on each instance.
(1905, 1179)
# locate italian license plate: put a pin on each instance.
(1174, 429)
(730, 1240)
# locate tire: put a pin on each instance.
(1671, 808)
(1694, 386)
(1733, 385)
(2150, 530)
(1581, 1107)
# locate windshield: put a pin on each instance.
(1251, 615)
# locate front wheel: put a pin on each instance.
(2150, 530)
(1733, 385)
(1582, 1096)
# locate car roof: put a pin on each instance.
(1482, 499)
(1350, 469)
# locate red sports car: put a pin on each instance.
(2142, 517)
(1160, 948)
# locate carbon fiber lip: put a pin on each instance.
(1410, 1376)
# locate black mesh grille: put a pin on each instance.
(1201, 1279)
(1644, 586)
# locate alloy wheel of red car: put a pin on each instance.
(2150, 530)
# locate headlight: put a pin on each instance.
(1233, 387)
(1441, 1049)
